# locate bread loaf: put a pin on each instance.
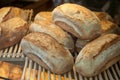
(10, 71)
(98, 55)
(13, 31)
(107, 24)
(108, 27)
(47, 52)
(54, 31)
(45, 15)
(103, 16)
(77, 20)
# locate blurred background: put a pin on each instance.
(112, 7)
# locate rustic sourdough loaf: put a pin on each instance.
(47, 52)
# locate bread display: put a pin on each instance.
(12, 31)
(43, 16)
(98, 55)
(54, 31)
(11, 12)
(47, 52)
(71, 37)
(78, 20)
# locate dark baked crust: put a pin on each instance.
(12, 33)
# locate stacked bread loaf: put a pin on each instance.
(48, 44)
(107, 26)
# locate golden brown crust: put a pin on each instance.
(107, 24)
(12, 32)
(79, 20)
(3, 12)
(45, 42)
(44, 15)
(104, 41)
(103, 16)
(11, 12)
(11, 71)
(49, 51)
(108, 27)
(54, 31)
(98, 55)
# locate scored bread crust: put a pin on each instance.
(54, 55)
(3, 12)
(13, 31)
(77, 20)
(17, 12)
(11, 12)
(54, 31)
(97, 54)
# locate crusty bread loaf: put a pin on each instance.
(77, 20)
(108, 27)
(12, 31)
(45, 15)
(107, 24)
(54, 31)
(11, 71)
(47, 52)
(10, 12)
(98, 55)
(103, 16)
